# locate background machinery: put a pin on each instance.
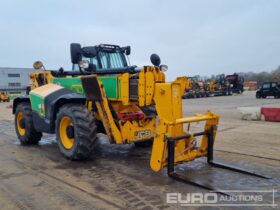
(236, 83)
(4, 96)
(129, 104)
(196, 88)
(220, 86)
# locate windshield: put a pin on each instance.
(112, 60)
(106, 60)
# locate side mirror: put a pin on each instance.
(155, 59)
(126, 50)
(75, 50)
(38, 65)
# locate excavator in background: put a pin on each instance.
(129, 104)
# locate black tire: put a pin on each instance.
(148, 143)
(30, 135)
(258, 95)
(84, 131)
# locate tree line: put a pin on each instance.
(272, 76)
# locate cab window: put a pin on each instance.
(103, 60)
(112, 60)
(266, 86)
(116, 60)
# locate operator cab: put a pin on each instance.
(103, 59)
(100, 58)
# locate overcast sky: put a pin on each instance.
(192, 37)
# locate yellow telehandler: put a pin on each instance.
(129, 104)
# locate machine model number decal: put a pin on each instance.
(142, 134)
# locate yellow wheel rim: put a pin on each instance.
(67, 142)
(19, 128)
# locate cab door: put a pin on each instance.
(274, 88)
(265, 88)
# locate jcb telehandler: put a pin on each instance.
(129, 104)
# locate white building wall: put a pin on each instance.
(14, 78)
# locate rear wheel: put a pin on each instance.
(76, 131)
(258, 95)
(24, 125)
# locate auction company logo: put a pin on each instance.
(241, 198)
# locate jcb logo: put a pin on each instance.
(142, 134)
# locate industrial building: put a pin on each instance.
(14, 80)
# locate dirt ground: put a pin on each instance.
(119, 177)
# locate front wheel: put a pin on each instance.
(76, 131)
(24, 125)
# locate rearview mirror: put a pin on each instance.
(38, 65)
(75, 50)
(155, 59)
(127, 50)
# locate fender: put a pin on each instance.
(52, 103)
(18, 100)
(55, 104)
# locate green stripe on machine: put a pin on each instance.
(111, 84)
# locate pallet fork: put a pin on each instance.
(179, 177)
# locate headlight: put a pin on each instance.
(84, 64)
(163, 68)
